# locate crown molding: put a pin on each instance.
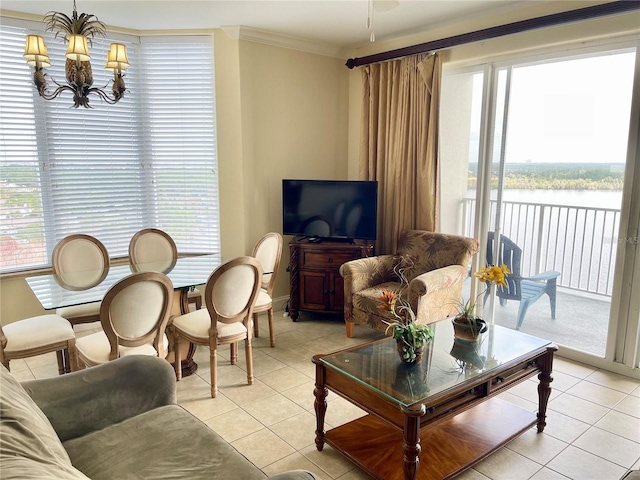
(241, 32)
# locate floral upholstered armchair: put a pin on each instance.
(440, 266)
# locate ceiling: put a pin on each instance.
(341, 23)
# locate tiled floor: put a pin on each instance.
(593, 425)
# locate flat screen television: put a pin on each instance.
(330, 209)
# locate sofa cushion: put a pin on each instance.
(29, 446)
(164, 443)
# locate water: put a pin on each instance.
(578, 198)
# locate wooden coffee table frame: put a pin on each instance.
(456, 428)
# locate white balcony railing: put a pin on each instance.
(579, 242)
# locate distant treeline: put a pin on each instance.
(556, 176)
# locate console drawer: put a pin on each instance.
(327, 259)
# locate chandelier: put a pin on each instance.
(77, 32)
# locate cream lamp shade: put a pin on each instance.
(117, 57)
(35, 51)
(78, 49)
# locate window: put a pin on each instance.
(108, 171)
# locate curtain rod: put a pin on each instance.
(586, 13)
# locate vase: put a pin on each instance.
(419, 351)
(470, 332)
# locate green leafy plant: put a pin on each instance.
(410, 335)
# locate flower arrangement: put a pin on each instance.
(466, 313)
(410, 335)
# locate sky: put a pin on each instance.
(568, 111)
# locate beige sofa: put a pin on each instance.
(114, 421)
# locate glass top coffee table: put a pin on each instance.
(444, 407)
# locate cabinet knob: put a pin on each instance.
(330, 260)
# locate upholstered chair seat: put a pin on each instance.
(96, 348)
(198, 324)
(81, 311)
(37, 335)
(440, 267)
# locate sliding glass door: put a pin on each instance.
(535, 155)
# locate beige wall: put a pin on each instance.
(294, 125)
(281, 113)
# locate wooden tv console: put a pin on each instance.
(315, 281)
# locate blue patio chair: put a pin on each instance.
(527, 290)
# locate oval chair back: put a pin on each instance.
(135, 312)
(152, 250)
(80, 262)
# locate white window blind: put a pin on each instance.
(109, 171)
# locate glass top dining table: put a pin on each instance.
(52, 291)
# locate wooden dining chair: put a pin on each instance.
(268, 251)
(80, 262)
(37, 335)
(230, 295)
(134, 315)
(152, 249)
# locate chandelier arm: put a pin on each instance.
(42, 90)
(103, 95)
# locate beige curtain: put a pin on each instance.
(399, 143)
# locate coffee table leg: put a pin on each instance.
(544, 388)
(411, 444)
(320, 404)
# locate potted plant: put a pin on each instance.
(466, 324)
(410, 335)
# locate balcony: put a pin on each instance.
(580, 243)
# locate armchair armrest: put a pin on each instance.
(91, 399)
(444, 286)
(544, 276)
(367, 272)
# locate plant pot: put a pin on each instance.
(470, 332)
(467, 353)
(419, 351)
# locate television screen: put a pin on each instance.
(338, 209)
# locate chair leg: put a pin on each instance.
(61, 363)
(176, 355)
(71, 355)
(233, 349)
(551, 291)
(249, 358)
(350, 326)
(522, 311)
(213, 366)
(272, 333)
(256, 333)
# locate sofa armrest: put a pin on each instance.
(91, 399)
(435, 294)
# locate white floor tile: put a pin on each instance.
(576, 463)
